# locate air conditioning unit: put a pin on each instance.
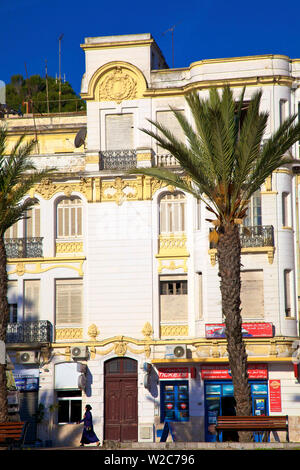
(79, 352)
(175, 351)
(28, 357)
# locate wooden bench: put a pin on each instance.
(12, 434)
(261, 424)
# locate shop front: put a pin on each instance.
(219, 396)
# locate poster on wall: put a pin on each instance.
(275, 396)
(215, 372)
(173, 373)
(249, 330)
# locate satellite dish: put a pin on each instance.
(80, 137)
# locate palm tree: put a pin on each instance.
(224, 163)
(17, 175)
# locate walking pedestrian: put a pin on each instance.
(88, 434)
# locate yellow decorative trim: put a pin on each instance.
(68, 333)
(203, 350)
(116, 81)
(268, 183)
(117, 44)
(174, 330)
(142, 157)
(213, 256)
(239, 59)
(91, 159)
(172, 264)
(284, 171)
(268, 192)
(93, 332)
(172, 245)
(47, 188)
(280, 80)
(69, 247)
(40, 266)
(120, 190)
(257, 249)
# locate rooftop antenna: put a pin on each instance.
(59, 78)
(172, 32)
(30, 101)
(47, 89)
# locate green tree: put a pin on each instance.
(17, 175)
(38, 95)
(224, 163)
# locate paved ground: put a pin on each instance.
(178, 446)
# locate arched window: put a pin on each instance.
(69, 218)
(172, 213)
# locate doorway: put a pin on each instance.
(121, 400)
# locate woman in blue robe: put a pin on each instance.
(88, 434)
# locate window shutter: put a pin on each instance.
(31, 300)
(168, 120)
(68, 301)
(12, 232)
(119, 132)
(252, 294)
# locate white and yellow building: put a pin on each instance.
(113, 287)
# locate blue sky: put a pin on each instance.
(30, 30)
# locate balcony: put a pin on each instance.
(117, 159)
(254, 239)
(254, 236)
(167, 160)
(257, 236)
(29, 332)
(24, 247)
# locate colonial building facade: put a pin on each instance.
(113, 284)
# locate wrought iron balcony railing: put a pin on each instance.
(255, 236)
(117, 159)
(31, 247)
(29, 332)
(258, 235)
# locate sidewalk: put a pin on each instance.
(178, 446)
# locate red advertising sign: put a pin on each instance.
(173, 373)
(249, 330)
(275, 396)
(255, 371)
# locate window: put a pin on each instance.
(12, 297)
(169, 120)
(119, 132)
(69, 406)
(68, 301)
(252, 294)
(287, 293)
(32, 222)
(32, 300)
(69, 218)
(173, 287)
(12, 232)
(286, 210)
(282, 111)
(174, 401)
(172, 213)
(253, 217)
(173, 299)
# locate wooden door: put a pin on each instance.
(121, 413)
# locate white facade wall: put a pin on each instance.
(119, 263)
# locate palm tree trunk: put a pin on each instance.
(4, 313)
(229, 259)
